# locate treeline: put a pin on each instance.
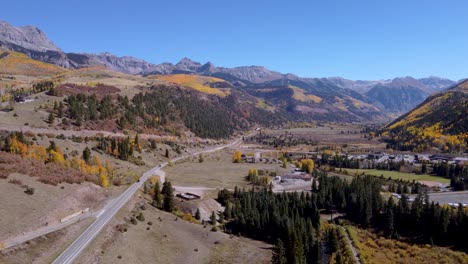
(421, 220)
(280, 141)
(290, 220)
(458, 174)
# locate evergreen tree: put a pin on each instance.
(213, 218)
(168, 194)
(86, 155)
(158, 197)
(389, 217)
(51, 118)
(279, 253)
(314, 185)
(197, 214)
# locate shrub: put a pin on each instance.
(141, 217)
(15, 181)
(117, 182)
(29, 190)
(133, 221)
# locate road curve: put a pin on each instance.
(74, 250)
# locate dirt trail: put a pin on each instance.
(353, 249)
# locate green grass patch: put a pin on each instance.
(399, 175)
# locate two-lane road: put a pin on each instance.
(73, 251)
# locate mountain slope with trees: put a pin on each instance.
(440, 121)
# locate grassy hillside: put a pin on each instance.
(440, 121)
(20, 64)
(209, 85)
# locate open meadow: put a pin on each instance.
(400, 175)
(217, 171)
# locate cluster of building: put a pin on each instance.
(380, 157)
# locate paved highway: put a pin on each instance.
(74, 250)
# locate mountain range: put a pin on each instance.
(361, 99)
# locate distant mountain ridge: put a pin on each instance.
(361, 97)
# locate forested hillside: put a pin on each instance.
(440, 121)
(168, 109)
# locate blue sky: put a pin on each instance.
(350, 38)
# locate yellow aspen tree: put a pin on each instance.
(109, 169)
(56, 157)
(104, 179)
(237, 157)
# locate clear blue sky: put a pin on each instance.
(350, 38)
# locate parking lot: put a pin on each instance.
(449, 197)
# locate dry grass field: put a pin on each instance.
(168, 241)
(24, 213)
(45, 249)
(217, 171)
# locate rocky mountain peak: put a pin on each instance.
(28, 37)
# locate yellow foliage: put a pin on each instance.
(154, 179)
(104, 178)
(300, 95)
(56, 157)
(18, 147)
(308, 165)
(18, 63)
(187, 217)
(109, 169)
(237, 157)
(37, 153)
(199, 83)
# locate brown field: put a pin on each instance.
(100, 90)
(169, 241)
(24, 213)
(217, 171)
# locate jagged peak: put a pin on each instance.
(185, 61)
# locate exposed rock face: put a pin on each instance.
(28, 37)
(437, 84)
(34, 43)
(124, 64)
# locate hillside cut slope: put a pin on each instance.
(440, 121)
